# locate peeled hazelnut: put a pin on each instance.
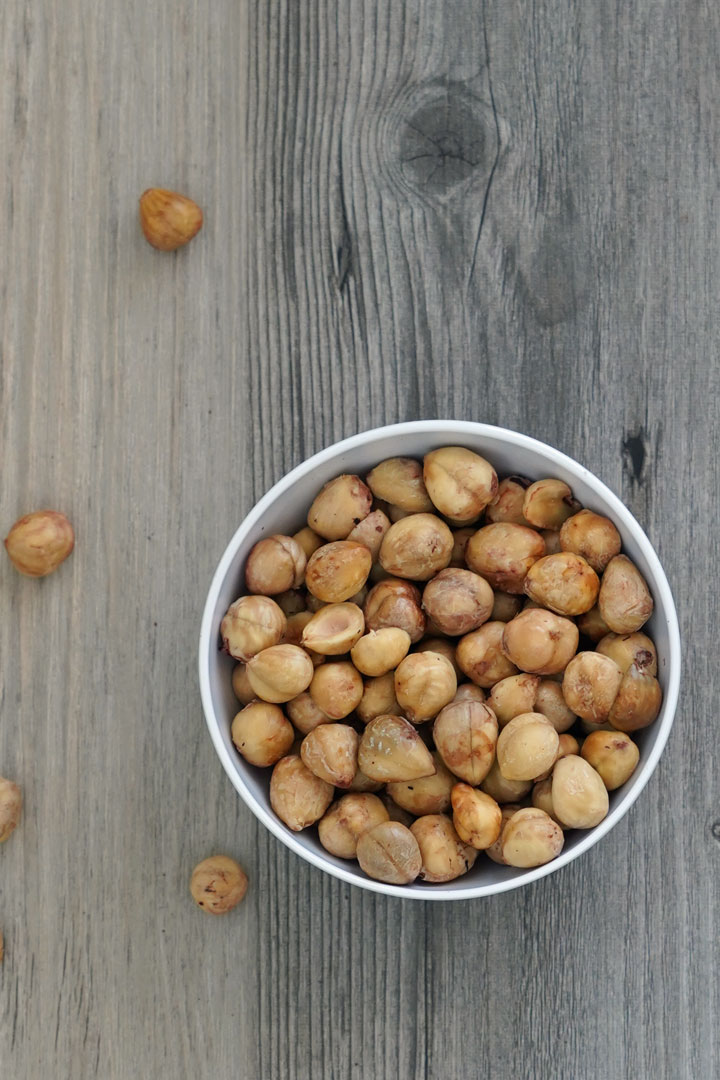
(513, 696)
(416, 547)
(564, 583)
(395, 603)
(458, 601)
(380, 651)
(508, 502)
(444, 855)
(336, 689)
(590, 685)
(550, 701)
(479, 655)
(218, 884)
(305, 714)
(370, 532)
(378, 698)
(339, 507)
(169, 220)
(362, 783)
(548, 503)
(613, 755)
(345, 822)
(542, 798)
(275, 565)
(424, 683)
(476, 816)
(459, 482)
(280, 673)
(38, 542)
(531, 838)
(540, 641)
(503, 553)
(241, 684)
(469, 692)
(465, 734)
(336, 571)
(296, 628)
(444, 647)
(592, 536)
(389, 852)
(527, 746)
(592, 625)
(297, 795)
(251, 624)
(308, 540)
(334, 629)
(392, 751)
(330, 751)
(637, 702)
(399, 481)
(579, 796)
(495, 850)
(629, 649)
(567, 744)
(624, 600)
(460, 539)
(261, 733)
(552, 541)
(10, 807)
(426, 794)
(503, 790)
(505, 607)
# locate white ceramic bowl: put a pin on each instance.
(284, 508)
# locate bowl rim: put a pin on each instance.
(453, 428)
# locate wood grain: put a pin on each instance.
(482, 210)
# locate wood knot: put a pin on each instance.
(715, 829)
(634, 454)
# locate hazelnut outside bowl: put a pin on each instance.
(283, 510)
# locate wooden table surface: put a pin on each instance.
(475, 209)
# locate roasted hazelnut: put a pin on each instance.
(637, 702)
(370, 532)
(305, 714)
(540, 641)
(542, 798)
(476, 816)
(592, 625)
(503, 790)
(624, 599)
(480, 656)
(297, 795)
(399, 481)
(339, 507)
(579, 796)
(334, 629)
(275, 565)
(336, 571)
(424, 683)
(10, 807)
(531, 838)
(459, 482)
(346, 820)
(330, 751)
(241, 684)
(444, 647)
(416, 547)
(391, 751)
(395, 603)
(548, 503)
(513, 696)
(552, 541)
(503, 553)
(362, 783)
(444, 855)
(251, 624)
(567, 744)
(296, 628)
(495, 850)
(458, 601)
(629, 649)
(291, 602)
(469, 692)
(38, 542)
(168, 219)
(465, 734)
(460, 539)
(550, 701)
(508, 502)
(564, 583)
(380, 651)
(505, 607)
(592, 536)
(613, 755)
(527, 746)
(378, 698)
(427, 794)
(336, 689)
(389, 852)
(218, 884)
(261, 733)
(590, 685)
(308, 540)
(280, 673)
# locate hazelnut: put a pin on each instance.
(218, 884)
(505, 607)
(592, 625)
(38, 542)
(459, 482)
(395, 603)
(476, 816)
(346, 820)
(10, 807)
(297, 795)
(280, 673)
(241, 684)
(579, 797)
(416, 547)
(513, 696)
(565, 583)
(392, 751)
(305, 714)
(567, 744)
(503, 553)
(531, 838)
(308, 540)
(550, 701)
(399, 481)
(552, 541)
(469, 692)
(334, 629)
(442, 646)
(624, 600)
(480, 655)
(330, 751)
(503, 790)
(261, 733)
(275, 565)
(542, 798)
(508, 502)
(370, 532)
(539, 641)
(424, 683)
(380, 651)
(169, 220)
(336, 689)
(592, 536)
(548, 503)
(389, 852)
(336, 571)
(465, 734)
(395, 812)
(460, 539)
(291, 602)
(362, 783)
(613, 755)
(427, 794)
(378, 698)
(339, 507)
(629, 649)
(495, 850)
(527, 746)
(296, 628)
(396, 513)
(444, 855)
(458, 601)
(590, 685)
(251, 624)
(637, 702)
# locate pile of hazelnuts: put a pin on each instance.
(440, 664)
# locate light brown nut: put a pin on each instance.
(330, 751)
(459, 482)
(389, 852)
(241, 684)
(424, 683)
(370, 532)
(378, 698)
(531, 838)
(393, 602)
(564, 583)
(458, 601)
(480, 655)
(296, 628)
(592, 625)
(495, 850)
(590, 685)
(540, 642)
(508, 502)
(305, 714)
(396, 513)
(503, 790)
(444, 855)
(542, 798)
(392, 751)
(624, 599)
(280, 673)
(527, 746)
(638, 701)
(460, 539)
(476, 816)
(339, 506)
(465, 735)
(399, 481)
(275, 565)
(251, 624)
(416, 547)
(469, 692)
(362, 783)
(218, 884)
(10, 807)
(334, 629)
(550, 702)
(336, 571)
(548, 503)
(552, 541)
(426, 795)
(567, 744)
(308, 540)
(261, 733)
(346, 820)
(445, 647)
(168, 219)
(297, 795)
(337, 689)
(513, 696)
(38, 542)
(579, 796)
(503, 553)
(592, 536)
(613, 755)
(380, 651)
(506, 607)
(629, 649)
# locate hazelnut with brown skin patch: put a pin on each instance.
(458, 601)
(590, 685)
(508, 502)
(527, 746)
(424, 683)
(389, 852)
(339, 507)
(592, 536)
(531, 838)
(613, 755)
(444, 855)
(480, 655)
(218, 884)
(330, 751)
(346, 820)
(251, 624)
(10, 807)
(580, 798)
(548, 503)
(391, 751)
(280, 673)
(370, 532)
(38, 542)
(540, 641)
(168, 219)
(629, 649)
(275, 565)
(503, 554)
(427, 794)
(297, 795)
(416, 547)
(624, 599)
(465, 735)
(336, 571)
(261, 733)
(393, 602)
(565, 583)
(399, 482)
(459, 482)
(336, 689)
(476, 816)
